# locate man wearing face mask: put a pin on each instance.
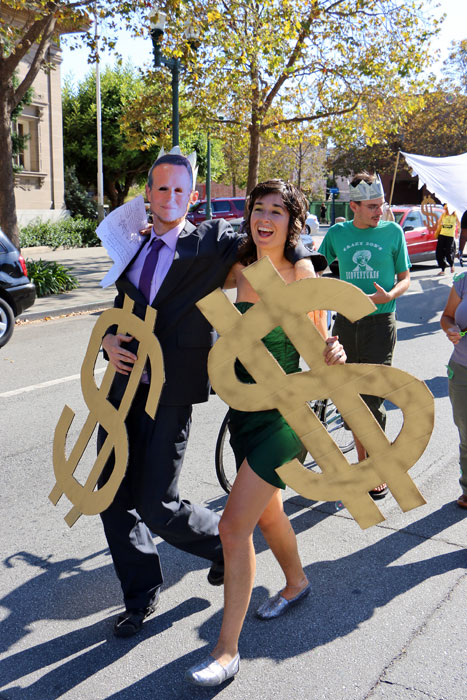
(372, 255)
(178, 265)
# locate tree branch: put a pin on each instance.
(285, 75)
(312, 117)
(47, 34)
(24, 44)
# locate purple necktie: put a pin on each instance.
(149, 266)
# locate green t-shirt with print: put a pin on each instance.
(368, 255)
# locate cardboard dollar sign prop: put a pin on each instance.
(428, 213)
(84, 498)
(287, 306)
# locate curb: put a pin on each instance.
(63, 311)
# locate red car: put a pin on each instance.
(222, 208)
(419, 232)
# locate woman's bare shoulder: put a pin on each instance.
(231, 281)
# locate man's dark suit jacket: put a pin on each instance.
(203, 257)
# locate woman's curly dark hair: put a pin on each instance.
(295, 203)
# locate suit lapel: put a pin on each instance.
(127, 287)
(185, 254)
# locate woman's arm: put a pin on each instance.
(448, 324)
(304, 269)
(231, 281)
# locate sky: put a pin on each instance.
(139, 51)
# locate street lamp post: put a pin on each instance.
(208, 179)
(219, 118)
(158, 20)
(100, 170)
(333, 191)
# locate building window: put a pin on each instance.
(27, 127)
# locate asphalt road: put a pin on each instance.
(385, 618)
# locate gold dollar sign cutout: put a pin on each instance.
(428, 213)
(287, 306)
(84, 498)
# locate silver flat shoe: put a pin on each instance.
(278, 605)
(211, 672)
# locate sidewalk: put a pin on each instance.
(88, 265)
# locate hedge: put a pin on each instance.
(68, 233)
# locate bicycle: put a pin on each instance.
(324, 409)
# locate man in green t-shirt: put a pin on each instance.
(372, 255)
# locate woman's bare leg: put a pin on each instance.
(279, 535)
(248, 499)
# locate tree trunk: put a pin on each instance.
(126, 187)
(300, 161)
(253, 156)
(8, 220)
(112, 194)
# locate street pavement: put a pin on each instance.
(385, 619)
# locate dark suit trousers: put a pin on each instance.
(148, 501)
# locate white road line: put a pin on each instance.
(52, 382)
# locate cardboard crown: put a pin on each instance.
(363, 191)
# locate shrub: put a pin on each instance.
(69, 233)
(50, 277)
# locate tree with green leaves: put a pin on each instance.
(125, 161)
(438, 128)
(283, 63)
(27, 29)
(146, 122)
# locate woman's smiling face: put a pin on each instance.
(269, 222)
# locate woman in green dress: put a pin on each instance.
(262, 441)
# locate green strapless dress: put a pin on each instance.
(264, 438)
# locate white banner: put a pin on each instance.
(444, 177)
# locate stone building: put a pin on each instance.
(39, 187)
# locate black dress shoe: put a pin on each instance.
(216, 573)
(131, 621)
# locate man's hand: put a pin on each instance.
(119, 358)
(334, 353)
(381, 296)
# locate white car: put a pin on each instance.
(310, 229)
(312, 225)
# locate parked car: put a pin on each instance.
(312, 225)
(222, 208)
(420, 239)
(17, 293)
(307, 239)
(237, 223)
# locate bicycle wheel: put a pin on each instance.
(332, 420)
(335, 426)
(226, 469)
